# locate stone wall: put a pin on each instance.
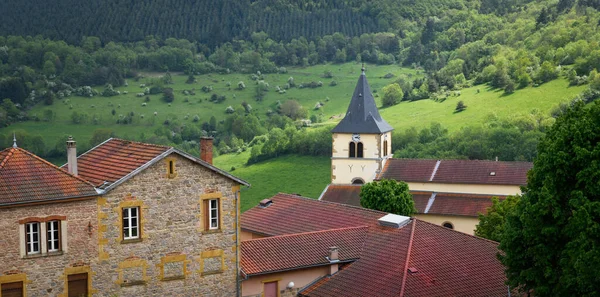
(45, 275)
(175, 256)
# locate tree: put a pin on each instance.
(392, 95)
(293, 110)
(551, 240)
(460, 106)
(389, 196)
(491, 224)
(168, 95)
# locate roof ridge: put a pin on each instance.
(329, 202)
(466, 234)
(470, 160)
(55, 167)
(407, 260)
(142, 143)
(8, 155)
(306, 233)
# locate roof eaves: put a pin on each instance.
(47, 200)
(324, 191)
(213, 168)
(302, 267)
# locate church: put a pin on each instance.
(450, 193)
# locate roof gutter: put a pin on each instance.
(3, 205)
(301, 267)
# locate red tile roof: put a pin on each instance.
(457, 204)
(294, 251)
(307, 216)
(451, 263)
(114, 159)
(448, 263)
(25, 177)
(457, 171)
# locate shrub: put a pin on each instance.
(168, 95)
(333, 83)
(460, 106)
(229, 109)
(327, 74)
(241, 85)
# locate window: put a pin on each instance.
(14, 289)
(355, 150)
(213, 213)
(385, 148)
(448, 225)
(131, 223)
(53, 236)
(171, 168)
(32, 237)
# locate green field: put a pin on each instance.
(100, 107)
(302, 175)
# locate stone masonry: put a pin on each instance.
(46, 275)
(175, 256)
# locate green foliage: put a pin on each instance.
(293, 110)
(550, 242)
(491, 224)
(460, 106)
(168, 95)
(388, 196)
(100, 135)
(392, 95)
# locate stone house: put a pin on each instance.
(122, 219)
(167, 221)
(48, 228)
(450, 193)
(296, 246)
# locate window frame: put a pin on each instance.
(129, 227)
(448, 223)
(385, 148)
(359, 150)
(215, 217)
(50, 239)
(29, 243)
(352, 150)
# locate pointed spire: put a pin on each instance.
(14, 140)
(362, 115)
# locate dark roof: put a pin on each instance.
(362, 115)
(25, 177)
(457, 204)
(448, 263)
(116, 160)
(457, 171)
(294, 251)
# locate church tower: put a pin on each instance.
(362, 141)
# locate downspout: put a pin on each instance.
(238, 242)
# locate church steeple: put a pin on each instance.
(362, 115)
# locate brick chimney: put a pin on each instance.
(72, 156)
(206, 149)
(333, 259)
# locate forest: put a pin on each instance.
(504, 44)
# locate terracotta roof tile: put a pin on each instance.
(114, 159)
(308, 216)
(457, 171)
(408, 169)
(461, 204)
(458, 204)
(295, 251)
(448, 263)
(25, 177)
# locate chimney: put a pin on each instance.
(206, 149)
(333, 259)
(72, 156)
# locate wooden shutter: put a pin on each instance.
(270, 289)
(206, 209)
(78, 285)
(12, 289)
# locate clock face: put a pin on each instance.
(355, 137)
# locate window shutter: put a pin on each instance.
(206, 210)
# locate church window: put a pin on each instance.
(359, 150)
(356, 150)
(385, 148)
